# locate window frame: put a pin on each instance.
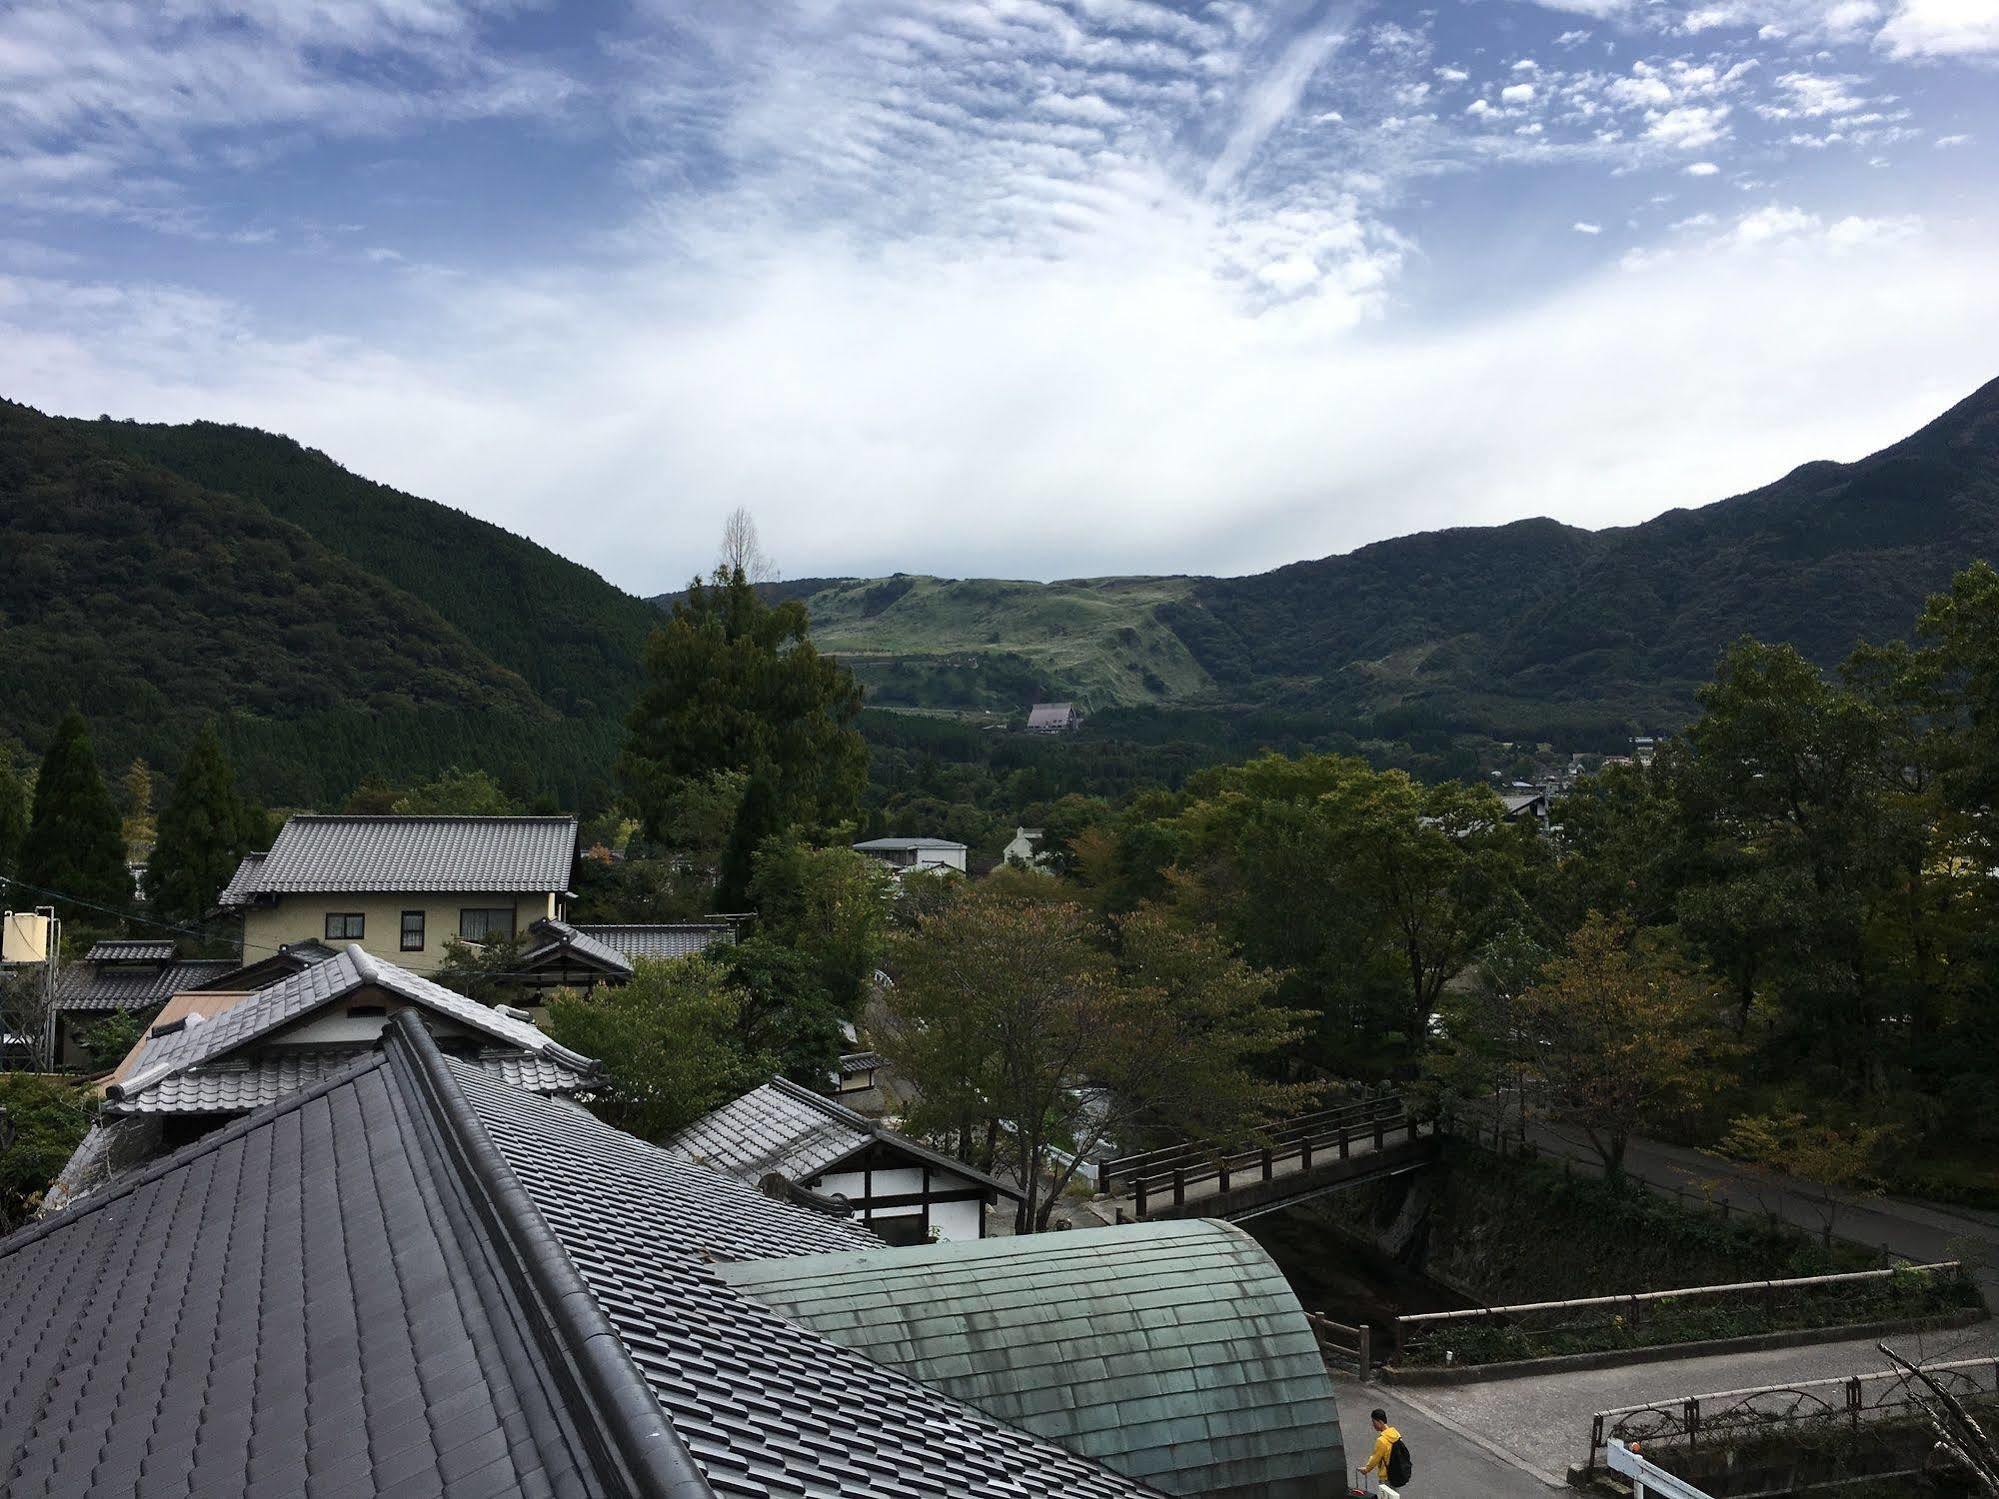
(513, 923)
(358, 918)
(422, 931)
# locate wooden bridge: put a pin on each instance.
(1292, 1162)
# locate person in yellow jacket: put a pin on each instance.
(1385, 1438)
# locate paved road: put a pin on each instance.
(1923, 1231)
(1448, 1463)
(1543, 1423)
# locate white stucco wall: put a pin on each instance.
(952, 1220)
(302, 918)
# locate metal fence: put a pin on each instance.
(1809, 1407)
(1634, 1319)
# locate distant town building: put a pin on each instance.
(118, 976)
(1025, 850)
(1054, 718)
(403, 887)
(905, 854)
(1526, 806)
(1643, 747)
(564, 956)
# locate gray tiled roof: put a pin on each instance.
(428, 855)
(117, 986)
(305, 1303)
(294, 998)
(237, 1085)
(1193, 1367)
(788, 1129)
(269, 969)
(765, 1406)
(242, 884)
(130, 952)
(662, 940)
(907, 845)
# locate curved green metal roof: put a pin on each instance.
(1175, 1353)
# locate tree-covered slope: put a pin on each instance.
(1493, 624)
(153, 603)
(572, 636)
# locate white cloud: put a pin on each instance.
(1689, 127)
(1008, 416)
(1947, 141)
(1586, 228)
(1517, 93)
(1942, 28)
(1701, 169)
(1452, 75)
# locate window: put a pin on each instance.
(345, 926)
(486, 924)
(412, 931)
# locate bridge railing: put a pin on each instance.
(1344, 1347)
(1175, 1168)
(1534, 1329)
(1801, 1409)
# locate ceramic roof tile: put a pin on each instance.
(294, 998)
(300, 1304)
(662, 940)
(1194, 1369)
(96, 985)
(765, 1406)
(237, 1085)
(130, 952)
(431, 855)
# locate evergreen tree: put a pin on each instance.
(734, 684)
(75, 847)
(13, 814)
(204, 831)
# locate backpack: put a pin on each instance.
(1398, 1464)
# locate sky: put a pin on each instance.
(1021, 288)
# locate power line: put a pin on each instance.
(131, 916)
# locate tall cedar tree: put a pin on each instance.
(204, 832)
(76, 845)
(733, 683)
(13, 814)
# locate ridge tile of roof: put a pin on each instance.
(342, 854)
(267, 1010)
(780, 1126)
(766, 1406)
(308, 1302)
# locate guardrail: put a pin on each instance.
(1848, 1401)
(1344, 1347)
(1177, 1167)
(1629, 1309)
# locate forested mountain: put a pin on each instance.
(157, 576)
(1529, 630)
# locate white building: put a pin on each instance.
(904, 854)
(1025, 850)
(906, 1192)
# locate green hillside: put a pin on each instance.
(154, 602)
(572, 636)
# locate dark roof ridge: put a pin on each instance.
(431, 817)
(584, 1352)
(875, 1130)
(130, 1183)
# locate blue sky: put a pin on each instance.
(1036, 288)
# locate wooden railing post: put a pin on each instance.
(1138, 1188)
(1304, 1152)
(1104, 1177)
(1380, 1126)
(1269, 1165)
(1366, 1353)
(1179, 1186)
(1222, 1176)
(1346, 1144)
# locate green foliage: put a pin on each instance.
(830, 904)
(733, 684)
(47, 1117)
(112, 1037)
(457, 793)
(1014, 1022)
(204, 831)
(75, 844)
(671, 1039)
(787, 1014)
(13, 813)
(486, 971)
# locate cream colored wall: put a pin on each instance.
(302, 918)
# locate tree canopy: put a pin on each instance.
(75, 847)
(204, 830)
